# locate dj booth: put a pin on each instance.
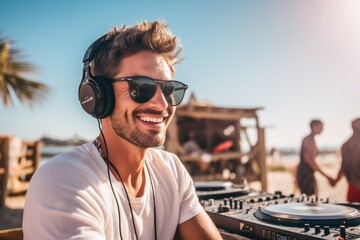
(242, 213)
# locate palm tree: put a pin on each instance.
(12, 80)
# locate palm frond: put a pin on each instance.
(12, 68)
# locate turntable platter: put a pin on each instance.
(295, 214)
(219, 189)
(212, 186)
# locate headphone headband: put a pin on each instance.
(92, 49)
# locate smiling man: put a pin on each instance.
(120, 186)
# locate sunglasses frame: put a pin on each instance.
(157, 83)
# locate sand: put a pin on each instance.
(11, 215)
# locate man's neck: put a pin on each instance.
(129, 160)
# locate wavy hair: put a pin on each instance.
(126, 41)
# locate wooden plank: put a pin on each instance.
(217, 156)
(11, 234)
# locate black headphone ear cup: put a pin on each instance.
(97, 97)
(107, 94)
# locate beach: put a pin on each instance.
(11, 215)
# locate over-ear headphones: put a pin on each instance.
(96, 94)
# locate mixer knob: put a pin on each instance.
(292, 195)
(342, 232)
(240, 204)
(231, 202)
(260, 199)
(326, 230)
(225, 201)
(306, 227)
(236, 204)
(278, 193)
(222, 209)
(252, 200)
(317, 229)
(268, 198)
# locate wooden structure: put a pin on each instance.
(217, 143)
(11, 234)
(18, 161)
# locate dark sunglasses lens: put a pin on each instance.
(142, 89)
(174, 92)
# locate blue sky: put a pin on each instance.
(298, 59)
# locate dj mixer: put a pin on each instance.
(262, 215)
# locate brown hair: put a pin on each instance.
(123, 42)
(315, 122)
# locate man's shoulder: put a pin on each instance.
(72, 158)
(309, 140)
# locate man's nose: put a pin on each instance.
(159, 99)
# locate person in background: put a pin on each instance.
(350, 165)
(305, 177)
(121, 186)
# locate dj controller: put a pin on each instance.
(262, 215)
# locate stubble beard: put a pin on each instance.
(123, 128)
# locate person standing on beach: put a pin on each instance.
(305, 177)
(121, 186)
(350, 165)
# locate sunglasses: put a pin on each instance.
(142, 89)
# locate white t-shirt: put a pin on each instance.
(70, 198)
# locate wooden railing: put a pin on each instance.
(19, 160)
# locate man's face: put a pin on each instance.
(318, 128)
(142, 124)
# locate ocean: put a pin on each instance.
(290, 157)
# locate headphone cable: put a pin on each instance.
(107, 162)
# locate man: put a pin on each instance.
(305, 173)
(119, 186)
(350, 166)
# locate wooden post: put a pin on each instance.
(33, 154)
(262, 158)
(4, 165)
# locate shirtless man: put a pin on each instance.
(350, 166)
(307, 166)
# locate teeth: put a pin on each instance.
(151, 119)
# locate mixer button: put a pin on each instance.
(342, 232)
(317, 229)
(306, 227)
(326, 230)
